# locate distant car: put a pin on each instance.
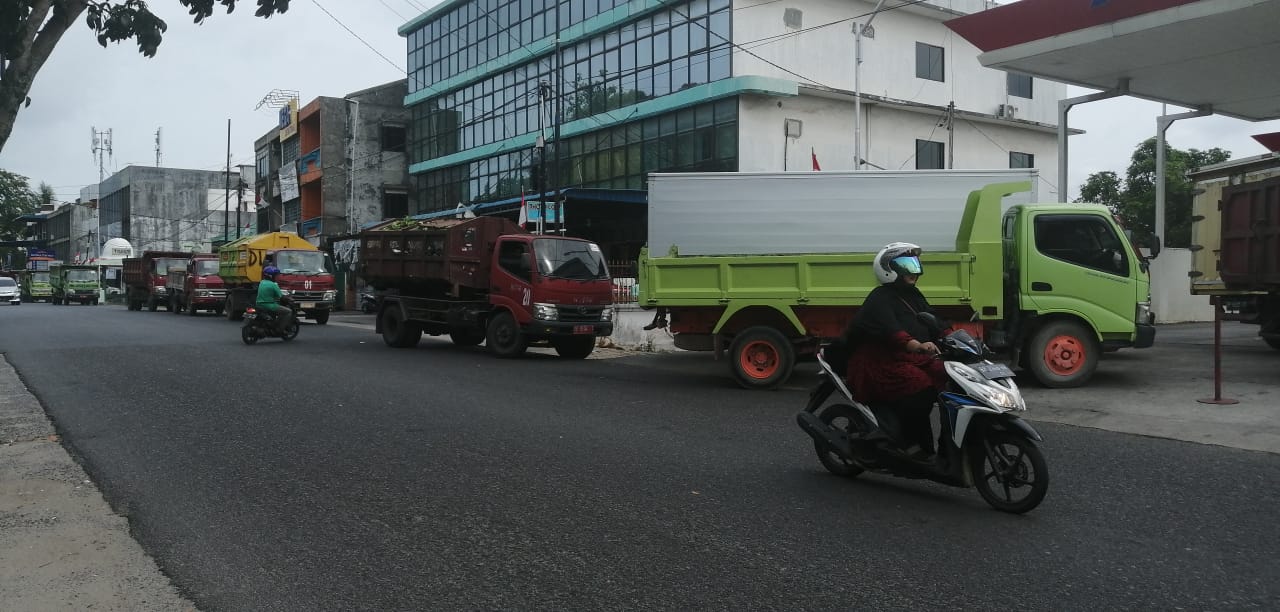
(9, 291)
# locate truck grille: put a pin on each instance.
(308, 295)
(580, 313)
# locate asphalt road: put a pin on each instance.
(336, 473)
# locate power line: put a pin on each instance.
(357, 36)
(397, 13)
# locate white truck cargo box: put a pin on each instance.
(768, 213)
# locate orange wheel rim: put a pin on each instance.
(1064, 355)
(759, 360)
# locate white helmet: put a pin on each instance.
(896, 258)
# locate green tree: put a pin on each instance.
(31, 29)
(16, 199)
(1133, 199)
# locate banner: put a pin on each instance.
(289, 182)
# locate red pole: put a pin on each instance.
(1217, 358)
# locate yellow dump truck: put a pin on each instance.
(305, 273)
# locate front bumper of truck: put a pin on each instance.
(568, 328)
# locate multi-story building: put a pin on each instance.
(645, 86)
(335, 164)
(155, 209)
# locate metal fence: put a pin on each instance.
(625, 289)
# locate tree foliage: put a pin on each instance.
(1133, 198)
(16, 199)
(31, 29)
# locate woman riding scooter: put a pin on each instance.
(891, 364)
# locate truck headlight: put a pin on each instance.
(546, 312)
(331, 294)
(286, 292)
(606, 314)
(1144, 315)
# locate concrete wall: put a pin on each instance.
(172, 208)
(1171, 289)
(373, 169)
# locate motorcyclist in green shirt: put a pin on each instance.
(270, 298)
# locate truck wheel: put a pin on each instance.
(1063, 354)
(321, 317)
(398, 333)
(468, 337)
(504, 338)
(577, 347)
(761, 358)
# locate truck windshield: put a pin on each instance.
(40, 277)
(206, 267)
(571, 259)
(82, 275)
(162, 265)
(300, 262)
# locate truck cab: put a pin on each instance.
(75, 283)
(36, 286)
(306, 277)
(1078, 286)
(553, 285)
(197, 286)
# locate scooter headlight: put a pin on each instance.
(980, 387)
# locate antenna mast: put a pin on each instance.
(158, 147)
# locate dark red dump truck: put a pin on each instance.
(146, 278)
(197, 286)
(487, 280)
(1235, 240)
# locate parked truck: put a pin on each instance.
(146, 277)
(487, 280)
(305, 273)
(1050, 285)
(36, 286)
(1235, 240)
(74, 283)
(196, 286)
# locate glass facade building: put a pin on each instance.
(485, 80)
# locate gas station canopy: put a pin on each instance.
(1222, 54)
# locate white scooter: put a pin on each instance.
(983, 441)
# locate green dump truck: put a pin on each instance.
(73, 283)
(1051, 285)
(35, 286)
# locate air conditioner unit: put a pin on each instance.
(1006, 111)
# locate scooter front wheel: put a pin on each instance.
(1010, 472)
(846, 418)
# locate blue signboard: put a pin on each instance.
(41, 253)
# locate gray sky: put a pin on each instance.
(203, 75)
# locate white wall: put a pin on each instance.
(1171, 289)
(827, 131)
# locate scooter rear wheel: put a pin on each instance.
(847, 419)
(1010, 472)
(247, 334)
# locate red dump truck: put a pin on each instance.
(487, 280)
(146, 278)
(1235, 240)
(197, 286)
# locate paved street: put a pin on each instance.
(336, 473)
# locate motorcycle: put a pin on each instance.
(368, 302)
(259, 324)
(984, 443)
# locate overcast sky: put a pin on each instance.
(204, 75)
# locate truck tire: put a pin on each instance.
(466, 337)
(576, 347)
(320, 317)
(398, 333)
(1063, 354)
(761, 358)
(504, 338)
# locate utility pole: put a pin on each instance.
(858, 30)
(541, 145)
(951, 134)
(239, 202)
(226, 194)
(158, 147)
(557, 85)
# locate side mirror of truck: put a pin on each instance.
(1155, 246)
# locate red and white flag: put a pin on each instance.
(524, 211)
(814, 155)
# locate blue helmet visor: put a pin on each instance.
(909, 264)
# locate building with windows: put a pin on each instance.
(503, 109)
(334, 164)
